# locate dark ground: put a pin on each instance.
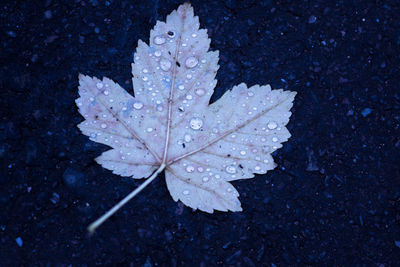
(333, 200)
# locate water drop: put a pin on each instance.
(266, 161)
(124, 108)
(185, 192)
(200, 169)
(230, 169)
(103, 125)
(145, 71)
(194, 35)
(257, 168)
(250, 93)
(165, 64)
(149, 130)
(91, 99)
(171, 34)
(205, 179)
(217, 176)
(157, 53)
(189, 76)
(229, 189)
(196, 123)
(200, 91)
(190, 168)
(274, 139)
(106, 92)
(138, 105)
(159, 40)
(181, 87)
(272, 125)
(191, 62)
(189, 97)
(187, 138)
(242, 152)
(99, 85)
(159, 108)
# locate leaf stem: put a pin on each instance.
(93, 226)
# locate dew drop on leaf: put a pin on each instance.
(99, 85)
(191, 62)
(159, 107)
(274, 139)
(200, 91)
(190, 168)
(138, 105)
(171, 34)
(165, 64)
(231, 169)
(205, 179)
(159, 40)
(103, 125)
(272, 125)
(186, 192)
(196, 123)
(187, 138)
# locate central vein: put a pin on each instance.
(170, 98)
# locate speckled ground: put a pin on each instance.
(333, 200)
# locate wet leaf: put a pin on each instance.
(170, 125)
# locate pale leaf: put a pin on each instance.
(170, 123)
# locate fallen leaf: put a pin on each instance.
(170, 125)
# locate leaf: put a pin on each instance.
(169, 123)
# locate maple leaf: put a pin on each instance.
(170, 125)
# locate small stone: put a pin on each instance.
(19, 241)
(55, 198)
(312, 19)
(365, 112)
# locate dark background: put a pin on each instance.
(334, 198)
